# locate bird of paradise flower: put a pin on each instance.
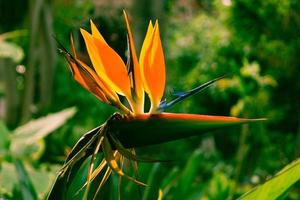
(108, 79)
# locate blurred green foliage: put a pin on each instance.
(22, 175)
(256, 43)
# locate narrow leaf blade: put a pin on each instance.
(276, 186)
(26, 186)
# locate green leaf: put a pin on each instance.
(187, 177)
(41, 178)
(26, 186)
(276, 186)
(219, 187)
(170, 179)
(11, 50)
(149, 191)
(41, 127)
(159, 128)
(4, 141)
(25, 139)
(8, 177)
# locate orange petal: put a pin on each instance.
(153, 66)
(81, 66)
(104, 87)
(143, 62)
(76, 74)
(87, 81)
(108, 64)
(96, 33)
(114, 67)
(137, 73)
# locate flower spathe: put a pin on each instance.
(109, 76)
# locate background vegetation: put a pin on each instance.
(256, 42)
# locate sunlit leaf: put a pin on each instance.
(25, 139)
(39, 128)
(11, 50)
(276, 186)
